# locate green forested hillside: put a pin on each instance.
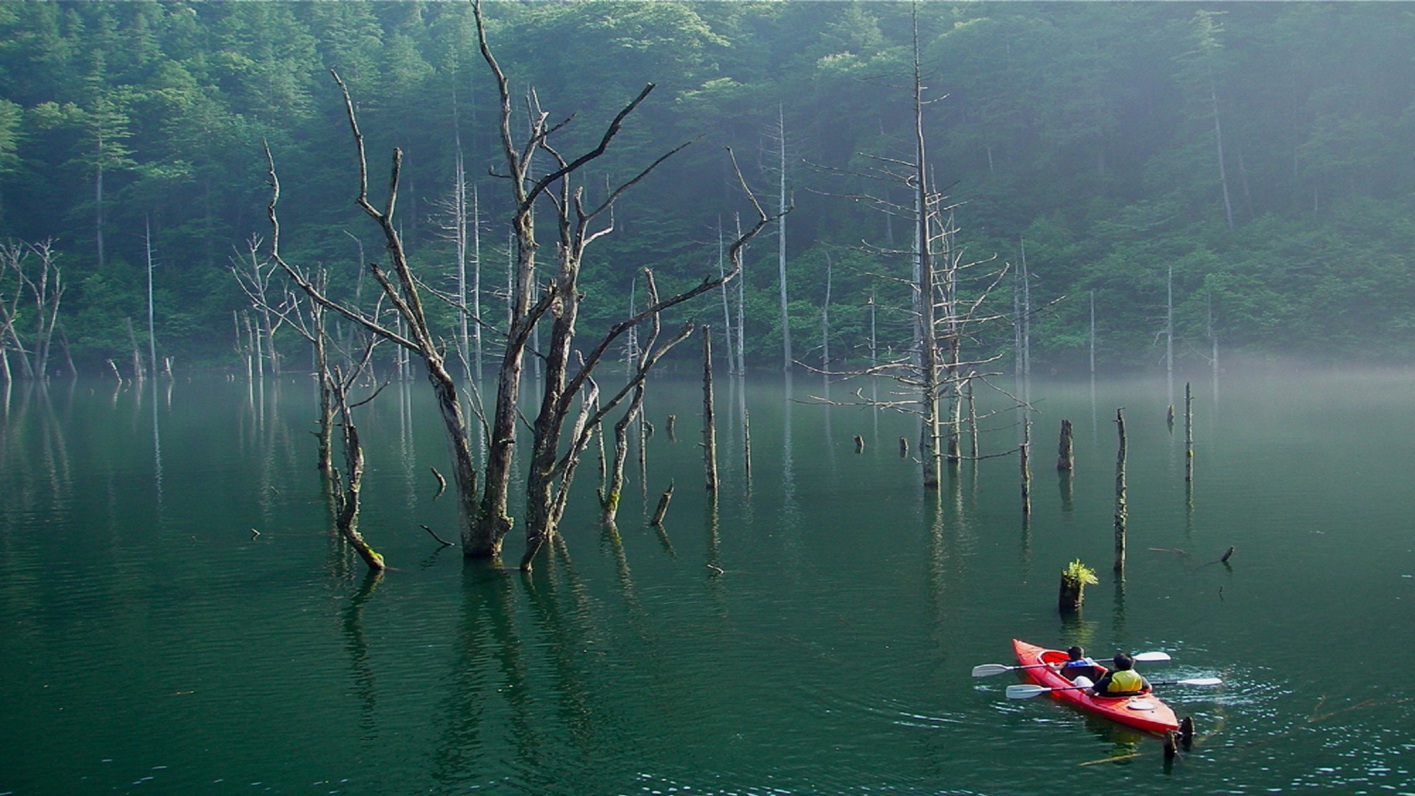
(1258, 152)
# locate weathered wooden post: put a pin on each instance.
(972, 421)
(1074, 580)
(747, 443)
(1188, 433)
(1026, 465)
(1120, 509)
(709, 424)
(1065, 451)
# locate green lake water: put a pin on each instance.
(813, 632)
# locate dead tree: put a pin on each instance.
(578, 222)
(646, 355)
(254, 274)
(348, 482)
(308, 319)
(949, 299)
(29, 274)
(1121, 507)
(552, 468)
(567, 418)
(412, 330)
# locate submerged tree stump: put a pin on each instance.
(1072, 592)
(1069, 597)
(1120, 508)
(746, 444)
(1065, 451)
(1188, 433)
(709, 423)
(1025, 462)
(662, 509)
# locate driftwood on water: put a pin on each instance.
(662, 509)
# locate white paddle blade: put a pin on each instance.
(1151, 657)
(1201, 681)
(1026, 691)
(990, 669)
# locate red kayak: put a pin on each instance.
(1145, 711)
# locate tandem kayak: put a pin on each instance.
(1146, 711)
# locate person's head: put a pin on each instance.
(1124, 661)
(1075, 653)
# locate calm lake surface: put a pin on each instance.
(151, 643)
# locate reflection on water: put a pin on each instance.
(811, 630)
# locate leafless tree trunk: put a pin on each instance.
(40, 285)
(709, 419)
(348, 482)
(400, 290)
(569, 410)
(1206, 35)
(151, 326)
(254, 273)
(577, 224)
(308, 319)
(786, 358)
(933, 375)
(1121, 507)
(648, 354)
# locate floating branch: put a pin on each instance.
(662, 509)
(434, 535)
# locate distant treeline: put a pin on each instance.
(1251, 160)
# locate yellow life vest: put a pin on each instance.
(1125, 681)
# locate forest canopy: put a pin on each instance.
(1242, 168)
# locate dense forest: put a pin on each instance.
(1239, 173)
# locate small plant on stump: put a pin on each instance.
(1074, 580)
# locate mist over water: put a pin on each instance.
(810, 632)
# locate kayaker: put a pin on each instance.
(1077, 667)
(1121, 681)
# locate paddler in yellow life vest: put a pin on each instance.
(1121, 681)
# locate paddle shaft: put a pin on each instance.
(990, 669)
(1029, 691)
